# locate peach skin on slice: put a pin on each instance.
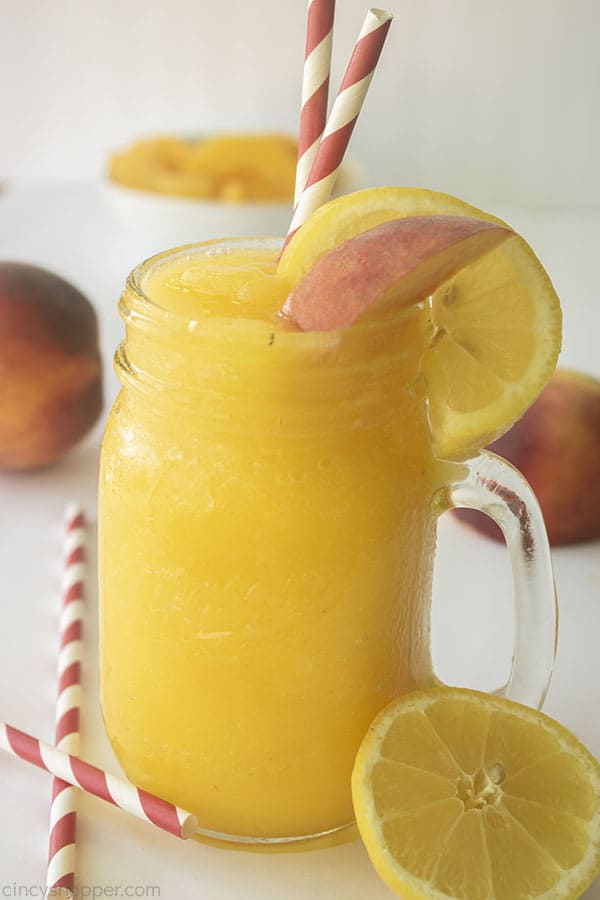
(401, 261)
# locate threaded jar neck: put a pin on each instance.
(243, 372)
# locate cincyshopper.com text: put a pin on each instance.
(82, 892)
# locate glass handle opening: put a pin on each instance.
(494, 487)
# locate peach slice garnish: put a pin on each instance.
(401, 261)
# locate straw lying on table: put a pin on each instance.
(342, 118)
(315, 87)
(63, 816)
(95, 781)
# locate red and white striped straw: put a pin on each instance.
(60, 880)
(93, 780)
(343, 116)
(315, 86)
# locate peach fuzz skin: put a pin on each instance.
(50, 367)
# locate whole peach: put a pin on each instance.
(50, 368)
(556, 446)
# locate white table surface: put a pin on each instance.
(68, 228)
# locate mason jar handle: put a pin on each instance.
(497, 489)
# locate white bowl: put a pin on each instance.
(159, 221)
(155, 222)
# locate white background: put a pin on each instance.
(496, 102)
(492, 101)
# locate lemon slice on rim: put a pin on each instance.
(460, 794)
(495, 327)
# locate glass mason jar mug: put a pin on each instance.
(268, 507)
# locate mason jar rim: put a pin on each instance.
(170, 355)
(146, 308)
